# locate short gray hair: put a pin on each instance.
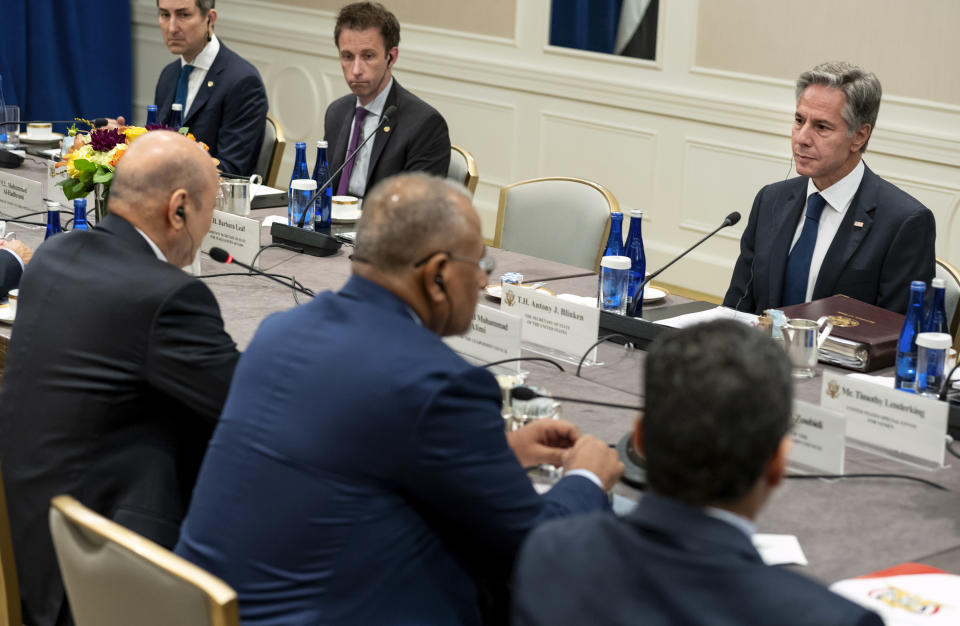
(861, 88)
(408, 216)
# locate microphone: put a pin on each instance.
(390, 110)
(524, 393)
(222, 256)
(730, 220)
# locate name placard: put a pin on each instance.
(553, 323)
(53, 191)
(818, 438)
(900, 422)
(240, 236)
(19, 195)
(493, 336)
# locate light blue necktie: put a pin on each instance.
(182, 87)
(798, 263)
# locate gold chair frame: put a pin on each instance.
(277, 155)
(473, 177)
(222, 598)
(955, 320)
(612, 204)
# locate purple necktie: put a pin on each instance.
(358, 117)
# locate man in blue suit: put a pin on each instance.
(360, 473)
(859, 235)
(224, 100)
(714, 433)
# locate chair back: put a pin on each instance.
(558, 218)
(951, 276)
(463, 168)
(115, 577)
(271, 152)
(9, 588)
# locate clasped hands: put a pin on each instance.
(560, 443)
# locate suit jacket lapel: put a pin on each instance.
(848, 237)
(209, 84)
(784, 226)
(383, 135)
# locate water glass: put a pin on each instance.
(11, 126)
(614, 278)
(299, 203)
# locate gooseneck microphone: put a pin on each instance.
(222, 256)
(387, 114)
(524, 393)
(730, 220)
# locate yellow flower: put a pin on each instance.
(132, 132)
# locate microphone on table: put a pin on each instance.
(523, 393)
(730, 220)
(222, 256)
(312, 242)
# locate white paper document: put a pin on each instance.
(718, 313)
(779, 549)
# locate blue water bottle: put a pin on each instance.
(176, 116)
(936, 321)
(615, 240)
(53, 222)
(906, 374)
(299, 173)
(151, 114)
(80, 214)
(638, 260)
(324, 203)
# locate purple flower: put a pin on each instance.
(160, 127)
(105, 140)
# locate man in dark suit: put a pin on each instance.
(360, 473)
(859, 235)
(14, 255)
(224, 100)
(414, 139)
(714, 432)
(118, 365)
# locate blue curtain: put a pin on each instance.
(62, 59)
(585, 24)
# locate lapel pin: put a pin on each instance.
(858, 224)
(386, 129)
(209, 83)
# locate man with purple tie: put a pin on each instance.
(416, 136)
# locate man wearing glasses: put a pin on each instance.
(360, 473)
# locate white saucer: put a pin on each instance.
(7, 313)
(653, 294)
(345, 215)
(45, 138)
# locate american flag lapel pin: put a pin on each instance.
(858, 224)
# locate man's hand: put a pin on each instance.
(19, 248)
(543, 441)
(116, 123)
(590, 453)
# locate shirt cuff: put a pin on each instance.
(588, 475)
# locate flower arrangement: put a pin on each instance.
(93, 158)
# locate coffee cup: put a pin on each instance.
(803, 340)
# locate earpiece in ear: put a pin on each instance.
(181, 213)
(389, 58)
(438, 279)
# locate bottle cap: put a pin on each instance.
(615, 262)
(938, 283)
(321, 144)
(636, 213)
(918, 285)
(80, 203)
(151, 107)
(176, 106)
(303, 184)
(936, 341)
(301, 144)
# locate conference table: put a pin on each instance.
(846, 527)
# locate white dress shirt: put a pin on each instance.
(201, 65)
(838, 196)
(737, 521)
(361, 164)
(156, 249)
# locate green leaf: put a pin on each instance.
(103, 175)
(83, 165)
(184, 130)
(73, 188)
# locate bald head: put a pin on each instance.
(161, 172)
(410, 215)
(420, 238)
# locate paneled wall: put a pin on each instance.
(687, 138)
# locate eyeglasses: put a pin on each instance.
(486, 263)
